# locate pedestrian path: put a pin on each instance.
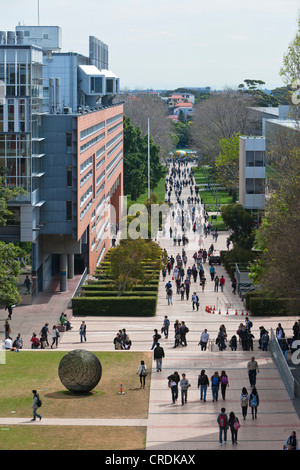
(192, 426)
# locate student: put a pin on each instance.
(184, 386)
(222, 421)
(253, 370)
(234, 425)
(158, 355)
(254, 402)
(215, 384)
(174, 380)
(55, 336)
(203, 383)
(142, 371)
(35, 405)
(244, 400)
(82, 331)
(224, 383)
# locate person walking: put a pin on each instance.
(174, 380)
(222, 421)
(224, 383)
(215, 385)
(158, 355)
(222, 283)
(183, 332)
(234, 426)
(44, 332)
(195, 301)
(27, 284)
(7, 329)
(142, 372)
(233, 343)
(82, 332)
(184, 386)
(170, 295)
(55, 335)
(253, 370)
(203, 340)
(166, 326)
(244, 400)
(254, 402)
(36, 403)
(9, 308)
(203, 383)
(217, 280)
(156, 337)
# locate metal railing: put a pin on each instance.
(78, 287)
(283, 367)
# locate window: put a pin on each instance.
(69, 176)
(249, 158)
(69, 210)
(255, 186)
(69, 139)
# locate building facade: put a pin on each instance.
(61, 139)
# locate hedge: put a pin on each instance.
(100, 288)
(114, 293)
(266, 306)
(114, 306)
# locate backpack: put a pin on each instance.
(144, 371)
(215, 381)
(224, 379)
(36, 342)
(244, 400)
(254, 400)
(222, 421)
(38, 402)
(169, 291)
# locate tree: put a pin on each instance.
(7, 193)
(136, 161)
(127, 263)
(290, 70)
(9, 273)
(241, 225)
(220, 117)
(260, 97)
(227, 164)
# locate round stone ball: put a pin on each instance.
(80, 371)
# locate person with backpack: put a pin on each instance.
(156, 337)
(44, 332)
(254, 402)
(215, 384)
(170, 295)
(224, 383)
(234, 426)
(203, 383)
(158, 355)
(244, 400)
(142, 371)
(173, 381)
(183, 332)
(222, 421)
(37, 403)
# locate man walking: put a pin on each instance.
(195, 301)
(253, 370)
(158, 355)
(222, 421)
(184, 385)
(35, 405)
(203, 340)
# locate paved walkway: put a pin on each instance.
(192, 426)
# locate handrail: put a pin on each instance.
(282, 365)
(81, 281)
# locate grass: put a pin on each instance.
(26, 370)
(159, 190)
(39, 437)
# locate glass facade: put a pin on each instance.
(21, 73)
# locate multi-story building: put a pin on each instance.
(61, 139)
(252, 172)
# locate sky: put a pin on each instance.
(166, 44)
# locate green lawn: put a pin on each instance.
(28, 370)
(159, 190)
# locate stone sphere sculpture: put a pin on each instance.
(80, 371)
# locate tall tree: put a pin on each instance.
(227, 164)
(290, 70)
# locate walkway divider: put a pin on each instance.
(210, 309)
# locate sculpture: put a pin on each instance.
(80, 371)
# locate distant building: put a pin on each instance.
(61, 138)
(252, 172)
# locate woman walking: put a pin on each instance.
(55, 336)
(215, 384)
(244, 399)
(142, 371)
(254, 402)
(224, 383)
(234, 425)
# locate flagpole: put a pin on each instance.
(148, 159)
